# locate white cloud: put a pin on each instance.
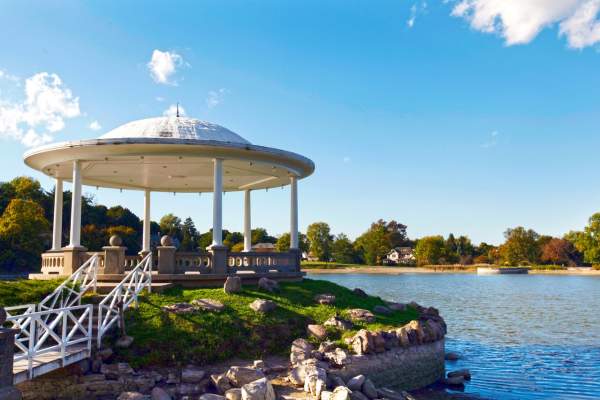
(216, 97)
(172, 111)
(492, 140)
(520, 21)
(415, 10)
(43, 112)
(163, 66)
(9, 77)
(95, 126)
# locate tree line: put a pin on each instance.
(26, 213)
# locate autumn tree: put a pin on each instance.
(319, 240)
(430, 250)
(559, 251)
(588, 240)
(521, 246)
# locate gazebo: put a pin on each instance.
(171, 154)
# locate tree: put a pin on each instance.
(342, 250)
(260, 235)
(170, 225)
(283, 242)
(521, 246)
(588, 241)
(560, 251)
(22, 229)
(319, 240)
(233, 238)
(430, 250)
(374, 244)
(189, 240)
(396, 233)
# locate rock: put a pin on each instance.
(356, 382)
(260, 389)
(378, 342)
(172, 378)
(357, 395)
(339, 323)
(359, 314)
(268, 284)
(452, 356)
(132, 396)
(397, 306)
(335, 381)
(211, 396)
(208, 305)
(341, 393)
(160, 394)
(221, 383)
(84, 366)
(297, 375)
(114, 371)
(263, 306)
(390, 394)
(315, 381)
(402, 335)
(233, 284)
(317, 331)
(259, 364)
(301, 350)
(190, 388)
(124, 342)
(415, 332)
(368, 388)
(192, 374)
(326, 346)
(239, 376)
(465, 373)
(325, 298)
(104, 354)
(362, 342)
(382, 310)
(234, 394)
(359, 292)
(326, 395)
(391, 339)
(338, 357)
(179, 308)
(454, 381)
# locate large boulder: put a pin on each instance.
(465, 373)
(239, 376)
(192, 374)
(221, 383)
(325, 298)
(378, 342)
(160, 394)
(397, 306)
(402, 335)
(362, 342)
(268, 284)
(297, 375)
(115, 371)
(301, 350)
(339, 323)
(358, 395)
(341, 393)
(233, 284)
(179, 308)
(416, 332)
(338, 357)
(368, 388)
(318, 331)
(356, 382)
(132, 396)
(208, 305)
(360, 293)
(260, 389)
(211, 396)
(359, 314)
(124, 342)
(234, 394)
(263, 306)
(315, 381)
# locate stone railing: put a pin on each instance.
(262, 262)
(131, 262)
(189, 261)
(53, 263)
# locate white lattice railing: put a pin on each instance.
(56, 333)
(121, 297)
(70, 291)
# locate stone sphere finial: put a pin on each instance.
(2, 316)
(115, 240)
(166, 240)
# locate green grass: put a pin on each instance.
(549, 267)
(329, 265)
(22, 291)
(163, 338)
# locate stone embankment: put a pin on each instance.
(369, 365)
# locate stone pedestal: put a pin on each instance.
(114, 259)
(166, 259)
(297, 256)
(7, 344)
(219, 259)
(73, 257)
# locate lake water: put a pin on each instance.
(522, 336)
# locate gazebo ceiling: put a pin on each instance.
(171, 155)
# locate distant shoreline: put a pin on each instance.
(412, 270)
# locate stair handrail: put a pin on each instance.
(120, 298)
(74, 287)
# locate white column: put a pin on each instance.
(58, 212)
(294, 213)
(75, 238)
(218, 203)
(146, 228)
(247, 222)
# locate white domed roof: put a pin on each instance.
(174, 128)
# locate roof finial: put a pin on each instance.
(177, 109)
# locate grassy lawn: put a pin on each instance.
(14, 293)
(163, 338)
(330, 265)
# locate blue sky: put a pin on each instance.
(463, 116)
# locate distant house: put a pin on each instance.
(264, 247)
(400, 255)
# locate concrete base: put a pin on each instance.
(10, 393)
(501, 271)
